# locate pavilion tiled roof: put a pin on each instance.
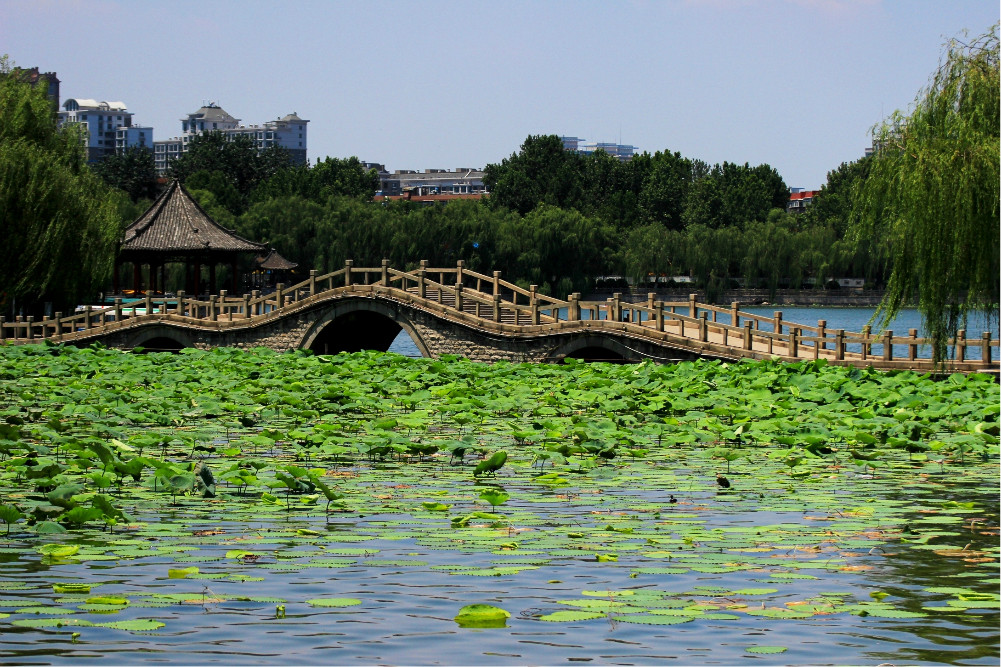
(275, 262)
(176, 223)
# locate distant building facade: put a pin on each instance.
(800, 199)
(623, 152)
(33, 77)
(461, 181)
(102, 122)
(288, 132)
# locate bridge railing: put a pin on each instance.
(468, 294)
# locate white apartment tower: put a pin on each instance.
(288, 132)
(108, 126)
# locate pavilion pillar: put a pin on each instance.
(212, 278)
(136, 271)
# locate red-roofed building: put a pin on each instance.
(800, 199)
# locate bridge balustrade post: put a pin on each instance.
(213, 313)
(348, 263)
(693, 310)
(887, 345)
(86, 319)
(458, 271)
(659, 314)
(497, 275)
(279, 295)
(985, 347)
(497, 307)
(58, 332)
(312, 281)
(961, 345)
(3, 332)
(703, 326)
(573, 310)
(246, 306)
(734, 317)
(534, 305)
(45, 326)
(222, 304)
(822, 335)
(458, 297)
(17, 327)
(385, 273)
(865, 342)
(149, 305)
(30, 331)
(421, 277)
(777, 322)
(912, 348)
(180, 302)
(794, 334)
(839, 344)
(616, 306)
(747, 335)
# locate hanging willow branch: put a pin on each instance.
(931, 198)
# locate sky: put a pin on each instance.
(796, 84)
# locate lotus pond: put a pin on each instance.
(255, 507)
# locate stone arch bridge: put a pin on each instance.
(456, 311)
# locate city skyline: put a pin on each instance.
(796, 84)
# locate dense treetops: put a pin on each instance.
(60, 223)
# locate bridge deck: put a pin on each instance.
(489, 304)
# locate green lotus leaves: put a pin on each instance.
(333, 602)
(482, 616)
(827, 486)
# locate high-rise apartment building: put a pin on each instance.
(288, 132)
(108, 126)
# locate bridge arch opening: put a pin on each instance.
(594, 348)
(364, 330)
(159, 344)
(595, 353)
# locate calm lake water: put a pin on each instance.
(849, 319)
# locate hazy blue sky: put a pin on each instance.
(794, 83)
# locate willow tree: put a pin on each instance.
(58, 221)
(932, 193)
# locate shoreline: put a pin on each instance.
(845, 298)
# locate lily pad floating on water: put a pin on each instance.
(181, 572)
(482, 616)
(333, 602)
(73, 588)
(58, 550)
(133, 625)
(766, 650)
(570, 616)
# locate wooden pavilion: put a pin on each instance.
(175, 229)
(272, 269)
